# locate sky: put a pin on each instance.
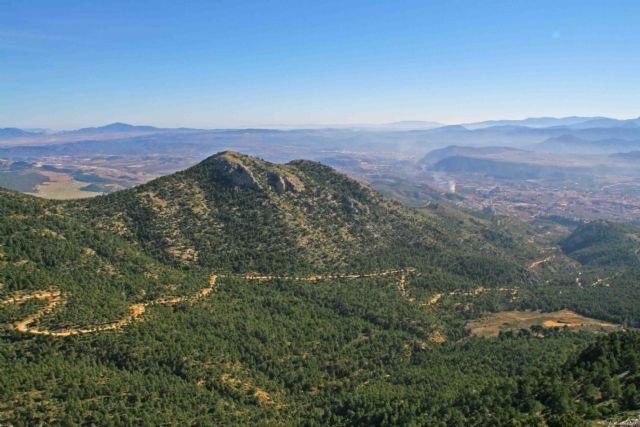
(69, 64)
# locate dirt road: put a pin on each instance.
(55, 300)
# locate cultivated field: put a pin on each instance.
(62, 187)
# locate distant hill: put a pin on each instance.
(14, 133)
(604, 243)
(631, 133)
(502, 169)
(436, 155)
(604, 122)
(537, 122)
(115, 128)
(570, 143)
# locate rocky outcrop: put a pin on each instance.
(284, 182)
(277, 182)
(293, 183)
(231, 169)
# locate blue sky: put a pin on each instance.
(66, 64)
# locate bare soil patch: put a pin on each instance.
(494, 323)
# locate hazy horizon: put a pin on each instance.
(291, 126)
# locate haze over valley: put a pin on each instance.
(579, 168)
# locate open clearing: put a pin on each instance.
(62, 187)
(492, 324)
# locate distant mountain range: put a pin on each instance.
(116, 127)
(550, 123)
(14, 133)
(604, 122)
(436, 156)
(573, 122)
(398, 140)
(504, 169)
(570, 143)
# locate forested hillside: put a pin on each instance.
(603, 243)
(241, 291)
(234, 212)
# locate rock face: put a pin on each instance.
(284, 182)
(231, 169)
(243, 171)
(294, 184)
(277, 182)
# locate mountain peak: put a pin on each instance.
(231, 155)
(241, 170)
(116, 127)
(14, 132)
(231, 167)
(244, 213)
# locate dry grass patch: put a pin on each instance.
(261, 396)
(494, 323)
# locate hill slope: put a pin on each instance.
(238, 213)
(604, 244)
(175, 330)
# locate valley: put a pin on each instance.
(571, 171)
(591, 188)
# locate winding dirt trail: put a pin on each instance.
(436, 298)
(401, 285)
(539, 262)
(315, 278)
(55, 300)
(402, 288)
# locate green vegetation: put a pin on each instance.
(604, 244)
(24, 181)
(366, 351)
(408, 193)
(98, 188)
